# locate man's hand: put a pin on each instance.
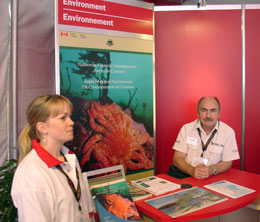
(201, 171)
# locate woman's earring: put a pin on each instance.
(44, 141)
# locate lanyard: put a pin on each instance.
(77, 193)
(204, 147)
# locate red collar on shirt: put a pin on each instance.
(45, 156)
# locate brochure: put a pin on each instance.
(185, 201)
(229, 189)
(111, 196)
(137, 193)
(156, 185)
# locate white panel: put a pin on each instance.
(194, 7)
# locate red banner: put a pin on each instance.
(106, 15)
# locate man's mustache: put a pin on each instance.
(208, 119)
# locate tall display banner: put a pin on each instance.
(104, 65)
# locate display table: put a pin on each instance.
(239, 177)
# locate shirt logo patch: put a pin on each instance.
(217, 144)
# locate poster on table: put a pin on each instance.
(104, 65)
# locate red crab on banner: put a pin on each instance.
(105, 136)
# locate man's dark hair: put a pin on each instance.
(214, 97)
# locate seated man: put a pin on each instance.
(206, 146)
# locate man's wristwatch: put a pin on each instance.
(214, 170)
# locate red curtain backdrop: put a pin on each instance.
(252, 127)
(197, 53)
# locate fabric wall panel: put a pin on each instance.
(252, 120)
(4, 43)
(36, 63)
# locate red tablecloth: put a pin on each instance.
(239, 177)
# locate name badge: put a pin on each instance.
(198, 160)
(191, 141)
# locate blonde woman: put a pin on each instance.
(48, 184)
